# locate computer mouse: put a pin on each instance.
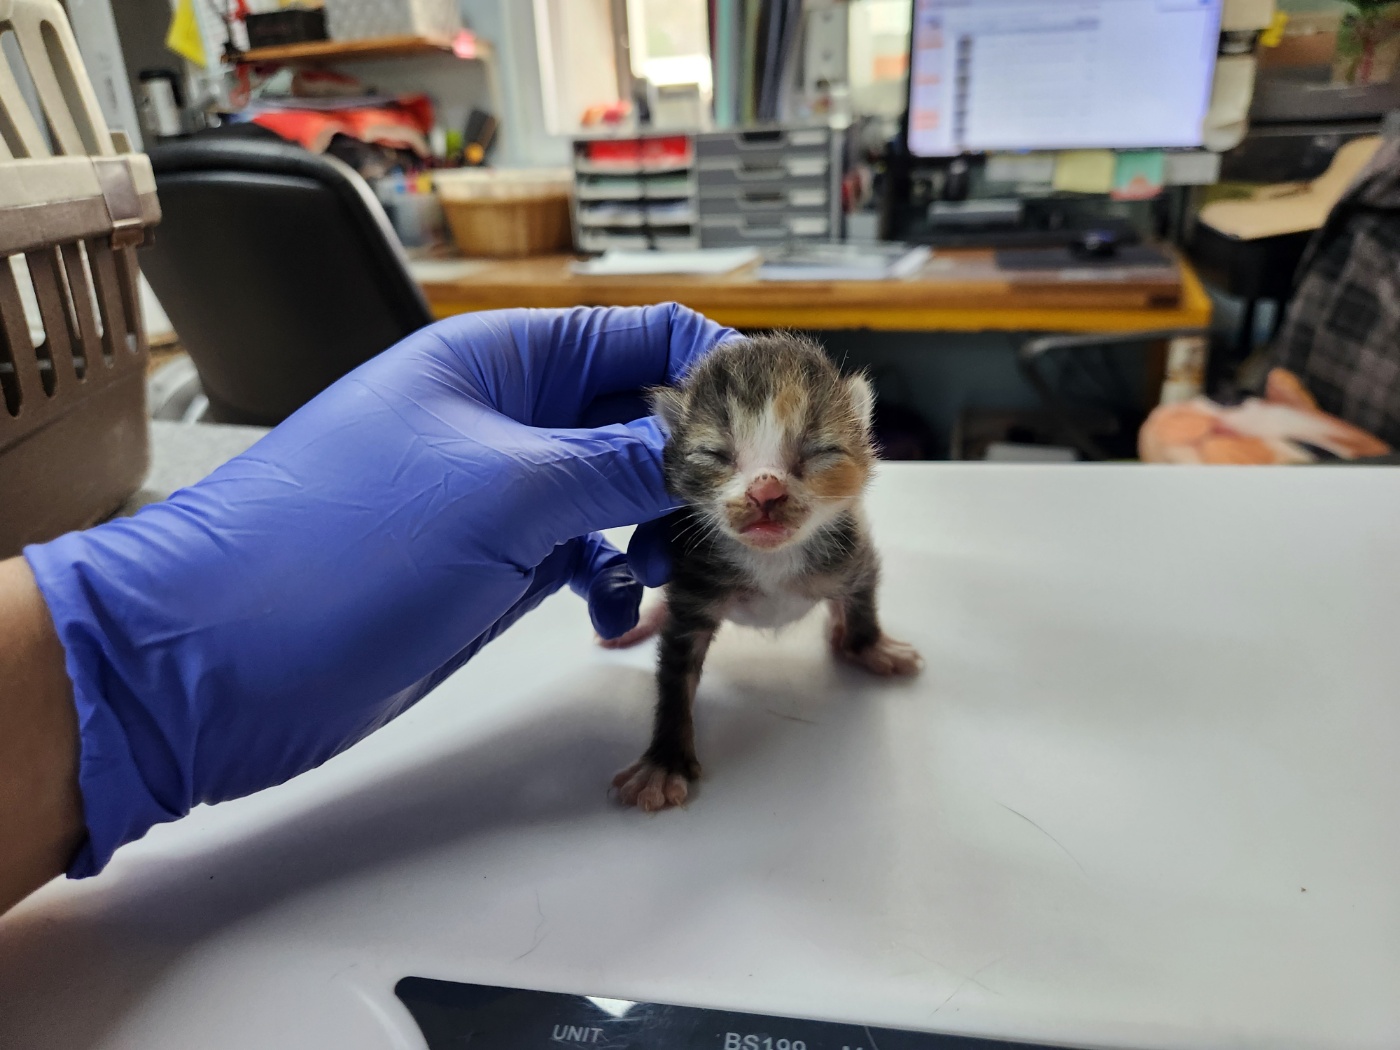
(1096, 244)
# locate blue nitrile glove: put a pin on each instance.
(307, 592)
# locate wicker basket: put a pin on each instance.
(73, 434)
(507, 214)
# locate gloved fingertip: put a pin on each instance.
(614, 602)
(649, 553)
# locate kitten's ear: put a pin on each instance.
(862, 398)
(668, 403)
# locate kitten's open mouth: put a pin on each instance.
(766, 533)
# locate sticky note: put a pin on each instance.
(1192, 168)
(183, 35)
(1138, 175)
(1084, 171)
(1021, 168)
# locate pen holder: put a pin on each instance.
(415, 216)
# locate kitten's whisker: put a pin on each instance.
(700, 527)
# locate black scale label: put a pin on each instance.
(455, 1016)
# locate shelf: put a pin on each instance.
(349, 50)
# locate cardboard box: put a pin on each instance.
(362, 19)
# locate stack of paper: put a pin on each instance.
(699, 261)
(843, 262)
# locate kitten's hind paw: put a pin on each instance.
(885, 657)
(648, 623)
(651, 788)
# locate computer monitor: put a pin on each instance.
(1059, 74)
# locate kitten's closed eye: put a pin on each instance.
(711, 456)
(819, 455)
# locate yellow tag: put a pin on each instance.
(183, 37)
(1273, 36)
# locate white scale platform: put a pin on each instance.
(1145, 795)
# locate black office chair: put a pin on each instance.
(279, 271)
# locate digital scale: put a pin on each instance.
(456, 1015)
(1143, 797)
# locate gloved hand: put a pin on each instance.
(307, 592)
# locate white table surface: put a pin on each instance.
(1146, 794)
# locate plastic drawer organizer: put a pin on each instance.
(74, 204)
(762, 187)
(767, 187)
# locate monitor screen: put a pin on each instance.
(1059, 74)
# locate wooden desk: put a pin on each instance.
(960, 291)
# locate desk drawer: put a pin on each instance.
(797, 199)
(764, 166)
(762, 141)
(730, 231)
(800, 192)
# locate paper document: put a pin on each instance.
(611, 213)
(1243, 15)
(1231, 93)
(1275, 210)
(423, 270)
(670, 213)
(696, 261)
(1084, 171)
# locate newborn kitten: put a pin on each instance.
(770, 450)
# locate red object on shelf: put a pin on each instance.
(664, 152)
(622, 152)
(612, 113)
(668, 151)
(402, 125)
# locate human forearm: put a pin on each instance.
(40, 808)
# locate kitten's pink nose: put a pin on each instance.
(767, 493)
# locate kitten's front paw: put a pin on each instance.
(885, 657)
(651, 787)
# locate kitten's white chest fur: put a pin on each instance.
(774, 597)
